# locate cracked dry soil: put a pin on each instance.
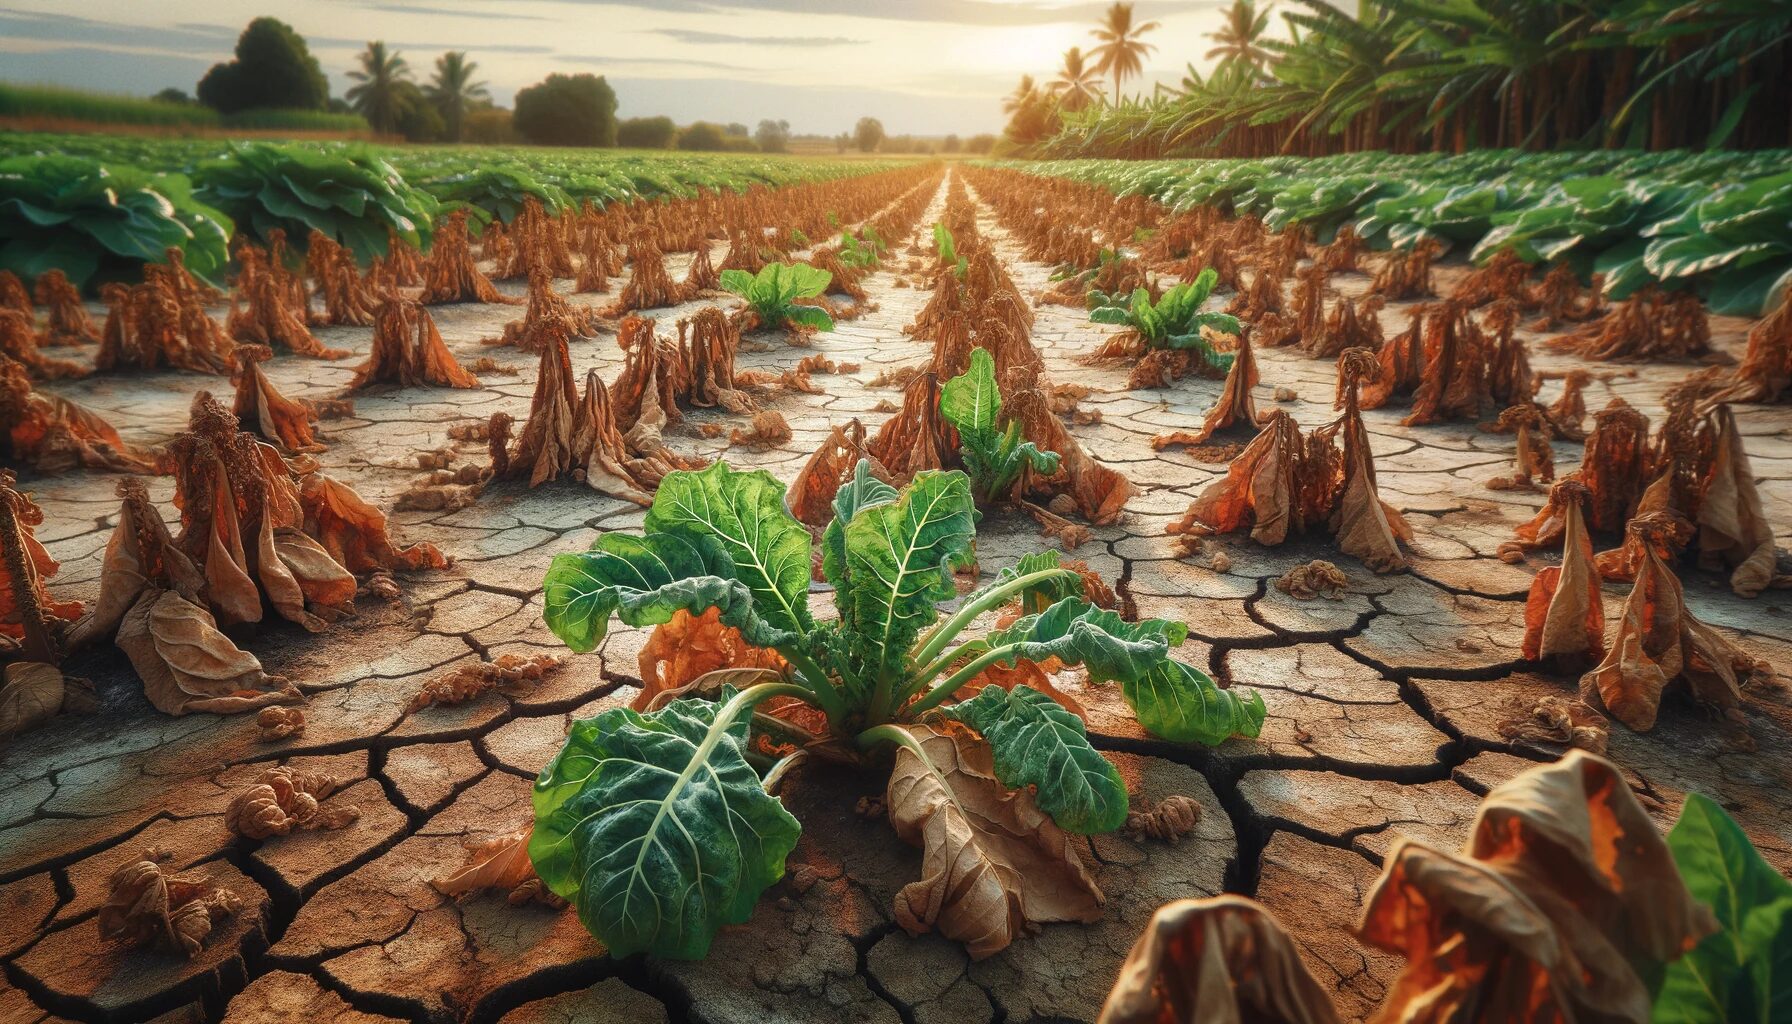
(1383, 713)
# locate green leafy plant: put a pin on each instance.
(1742, 972)
(495, 192)
(92, 220)
(657, 826)
(863, 252)
(774, 290)
(993, 456)
(350, 194)
(1175, 321)
(947, 248)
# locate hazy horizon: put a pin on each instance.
(924, 67)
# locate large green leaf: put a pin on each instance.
(657, 829)
(1037, 742)
(1176, 702)
(899, 559)
(1078, 633)
(862, 491)
(1743, 972)
(971, 401)
(644, 581)
(745, 512)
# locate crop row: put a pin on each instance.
(1716, 222)
(97, 207)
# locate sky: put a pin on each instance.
(925, 67)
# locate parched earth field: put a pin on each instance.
(1384, 709)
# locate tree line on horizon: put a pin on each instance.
(273, 69)
(1429, 75)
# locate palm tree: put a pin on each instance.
(1121, 50)
(1022, 95)
(378, 97)
(1077, 84)
(1236, 40)
(453, 91)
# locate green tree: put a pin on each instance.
(418, 119)
(951, 144)
(773, 136)
(1236, 39)
(646, 133)
(980, 144)
(1078, 83)
(702, 137)
(1023, 94)
(1121, 53)
(867, 134)
(273, 69)
(568, 110)
(379, 97)
(173, 95)
(453, 91)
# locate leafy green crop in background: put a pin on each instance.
(499, 192)
(657, 827)
(94, 220)
(774, 290)
(351, 195)
(1719, 222)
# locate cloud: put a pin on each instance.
(648, 62)
(951, 12)
(810, 110)
(448, 12)
(77, 31)
(685, 35)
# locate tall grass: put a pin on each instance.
(49, 103)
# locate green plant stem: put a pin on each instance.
(951, 683)
(815, 684)
(995, 597)
(890, 733)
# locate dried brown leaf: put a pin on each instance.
(994, 866)
(1563, 889)
(509, 673)
(1223, 960)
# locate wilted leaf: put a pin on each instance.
(146, 906)
(502, 863)
(1564, 616)
(1733, 529)
(188, 666)
(1223, 960)
(30, 696)
(994, 866)
(1563, 899)
(688, 646)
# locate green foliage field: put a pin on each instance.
(51, 103)
(97, 206)
(1712, 221)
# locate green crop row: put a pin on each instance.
(51, 103)
(1716, 222)
(97, 207)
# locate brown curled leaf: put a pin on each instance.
(278, 723)
(188, 666)
(1560, 721)
(1167, 820)
(1223, 960)
(994, 866)
(508, 673)
(1564, 614)
(146, 906)
(1733, 529)
(768, 430)
(500, 862)
(1659, 644)
(1315, 579)
(688, 647)
(282, 799)
(1563, 898)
